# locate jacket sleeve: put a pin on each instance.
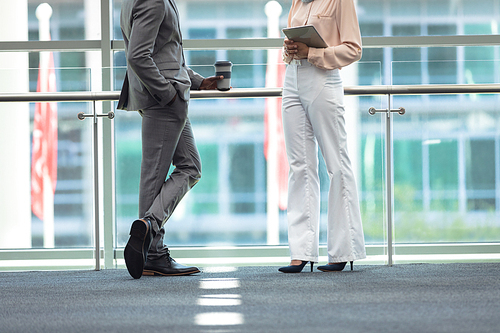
(196, 79)
(349, 50)
(147, 18)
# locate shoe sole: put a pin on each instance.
(291, 272)
(329, 270)
(148, 272)
(134, 250)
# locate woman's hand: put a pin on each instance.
(297, 50)
(210, 83)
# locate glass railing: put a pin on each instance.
(446, 157)
(442, 182)
(446, 153)
(26, 150)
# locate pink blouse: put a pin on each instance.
(337, 23)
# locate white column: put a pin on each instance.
(15, 190)
(273, 11)
(43, 14)
(93, 32)
(93, 66)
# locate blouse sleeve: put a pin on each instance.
(349, 50)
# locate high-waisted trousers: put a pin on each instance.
(313, 114)
(167, 139)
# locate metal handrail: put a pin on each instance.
(436, 89)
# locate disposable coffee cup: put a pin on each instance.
(223, 68)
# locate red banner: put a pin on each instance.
(282, 162)
(44, 154)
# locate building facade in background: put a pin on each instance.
(446, 148)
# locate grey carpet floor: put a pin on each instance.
(402, 298)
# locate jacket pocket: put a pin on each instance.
(168, 65)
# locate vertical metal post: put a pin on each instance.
(389, 179)
(108, 145)
(97, 213)
(497, 175)
(389, 172)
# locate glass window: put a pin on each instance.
(443, 166)
(479, 67)
(481, 180)
(442, 65)
(405, 8)
(242, 178)
(372, 182)
(226, 14)
(442, 8)
(479, 7)
(406, 68)
(204, 59)
(245, 74)
(205, 192)
(370, 65)
(70, 19)
(71, 71)
(73, 194)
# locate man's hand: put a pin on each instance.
(297, 50)
(210, 83)
(172, 100)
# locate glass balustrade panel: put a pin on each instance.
(47, 163)
(446, 157)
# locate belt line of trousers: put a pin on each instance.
(313, 114)
(167, 139)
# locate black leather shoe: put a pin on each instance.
(166, 266)
(137, 247)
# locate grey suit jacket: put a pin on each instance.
(156, 70)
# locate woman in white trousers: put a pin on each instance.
(313, 115)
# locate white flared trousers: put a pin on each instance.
(313, 114)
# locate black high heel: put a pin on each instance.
(334, 267)
(295, 268)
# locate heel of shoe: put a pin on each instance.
(352, 263)
(139, 229)
(148, 273)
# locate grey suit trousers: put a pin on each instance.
(167, 138)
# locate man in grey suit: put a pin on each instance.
(157, 84)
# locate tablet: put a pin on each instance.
(306, 34)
